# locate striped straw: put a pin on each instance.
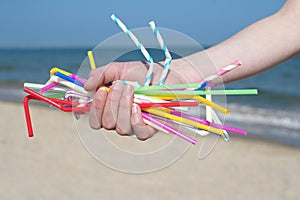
(166, 51)
(139, 45)
(221, 72)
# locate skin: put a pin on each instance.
(259, 47)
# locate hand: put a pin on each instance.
(115, 110)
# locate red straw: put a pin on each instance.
(58, 103)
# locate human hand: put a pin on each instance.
(115, 110)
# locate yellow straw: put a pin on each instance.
(212, 104)
(55, 69)
(91, 59)
(198, 98)
(161, 113)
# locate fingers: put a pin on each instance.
(141, 130)
(111, 108)
(96, 110)
(123, 122)
(116, 110)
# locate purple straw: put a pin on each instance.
(208, 123)
(168, 128)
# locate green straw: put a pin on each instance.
(164, 87)
(193, 93)
(57, 96)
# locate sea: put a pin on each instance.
(273, 114)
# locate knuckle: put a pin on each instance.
(95, 127)
(108, 124)
(123, 131)
(142, 137)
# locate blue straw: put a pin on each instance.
(68, 78)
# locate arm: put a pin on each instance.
(259, 47)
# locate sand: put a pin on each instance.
(55, 165)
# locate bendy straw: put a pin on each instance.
(215, 118)
(168, 128)
(69, 85)
(58, 103)
(69, 78)
(91, 60)
(139, 45)
(56, 69)
(211, 104)
(166, 52)
(74, 76)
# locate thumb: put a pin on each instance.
(103, 75)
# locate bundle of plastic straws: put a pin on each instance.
(159, 103)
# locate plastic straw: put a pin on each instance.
(155, 126)
(161, 113)
(92, 60)
(56, 69)
(70, 85)
(215, 118)
(157, 100)
(36, 86)
(212, 104)
(168, 128)
(166, 51)
(78, 78)
(222, 72)
(68, 78)
(166, 87)
(49, 86)
(168, 104)
(188, 94)
(208, 123)
(139, 45)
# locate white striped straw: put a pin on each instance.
(217, 120)
(222, 72)
(139, 45)
(166, 51)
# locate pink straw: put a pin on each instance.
(78, 78)
(168, 128)
(48, 87)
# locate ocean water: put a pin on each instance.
(273, 114)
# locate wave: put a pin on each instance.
(264, 116)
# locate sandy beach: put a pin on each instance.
(55, 165)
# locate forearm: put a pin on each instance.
(259, 46)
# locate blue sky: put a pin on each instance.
(62, 23)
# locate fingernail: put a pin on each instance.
(134, 108)
(128, 91)
(117, 85)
